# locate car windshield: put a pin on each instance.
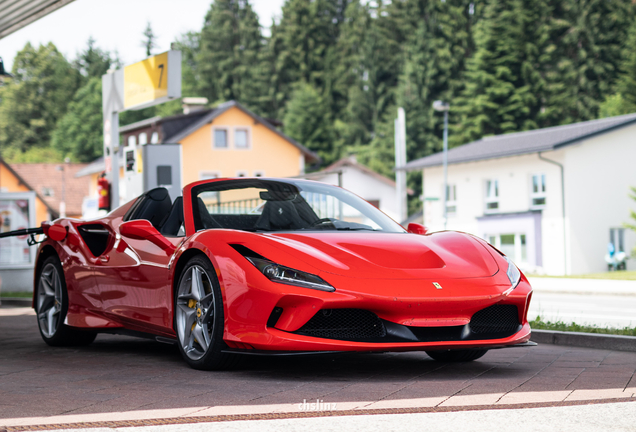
(259, 205)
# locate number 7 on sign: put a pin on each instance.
(160, 75)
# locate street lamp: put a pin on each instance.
(439, 105)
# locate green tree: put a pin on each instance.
(149, 41)
(623, 101)
(36, 98)
(229, 61)
(307, 120)
(78, 134)
(94, 62)
(504, 81)
(587, 55)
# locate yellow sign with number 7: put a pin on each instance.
(146, 81)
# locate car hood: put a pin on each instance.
(388, 255)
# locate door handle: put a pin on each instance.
(104, 258)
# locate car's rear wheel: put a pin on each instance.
(199, 317)
(51, 306)
(461, 355)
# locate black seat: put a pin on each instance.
(205, 217)
(279, 215)
(174, 221)
(154, 206)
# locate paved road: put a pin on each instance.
(604, 303)
(119, 378)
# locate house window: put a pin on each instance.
(492, 196)
(515, 246)
(143, 138)
(132, 141)
(241, 173)
(538, 191)
(209, 175)
(259, 173)
(451, 199)
(241, 139)
(617, 239)
(220, 138)
(47, 191)
(154, 139)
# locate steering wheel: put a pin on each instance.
(320, 222)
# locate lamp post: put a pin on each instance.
(439, 105)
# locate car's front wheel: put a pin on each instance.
(460, 355)
(199, 317)
(51, 306)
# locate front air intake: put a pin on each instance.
(344, 324)
(495, 321)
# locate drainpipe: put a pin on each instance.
(565, 256)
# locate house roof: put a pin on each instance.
(210, 115)
(519, 143)
(352, 162)
(47, 175)
(54, 213)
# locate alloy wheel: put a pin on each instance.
(49, 300)
(195, 312)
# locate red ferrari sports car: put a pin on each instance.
(275, 266)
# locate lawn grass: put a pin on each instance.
(615, 275)
(20, 294)
(539, 324)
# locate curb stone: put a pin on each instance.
(15, 301)
(585, 340)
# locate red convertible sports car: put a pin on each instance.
(275, 266)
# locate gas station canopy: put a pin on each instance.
(15, 14)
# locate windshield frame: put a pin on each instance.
(385, 223)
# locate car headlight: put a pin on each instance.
(289, 276)
(513, 273)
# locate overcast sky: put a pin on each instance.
(117, 25)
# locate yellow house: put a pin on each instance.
(11, 183)
(226, 141)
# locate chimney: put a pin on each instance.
(193, 104)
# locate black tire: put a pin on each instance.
(51, 307)
(201, 315)
(456, 356)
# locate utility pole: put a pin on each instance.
(400, 161)
(439, 105)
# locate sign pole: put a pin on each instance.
(149, 82)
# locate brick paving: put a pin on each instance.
(122, 378)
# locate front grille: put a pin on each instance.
(495, 320)
(344, 324)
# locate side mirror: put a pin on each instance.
(142, 229)
(415, 228)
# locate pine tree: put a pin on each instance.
(149, 40)
(36, 98)
(229, 57)
(588, 53)
(307, 121)
(93, 61)
(504, 81)
(623, 101)
(435, 57)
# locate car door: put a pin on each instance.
(134, 282)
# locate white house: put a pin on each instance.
(362, 181)
(552, 199)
